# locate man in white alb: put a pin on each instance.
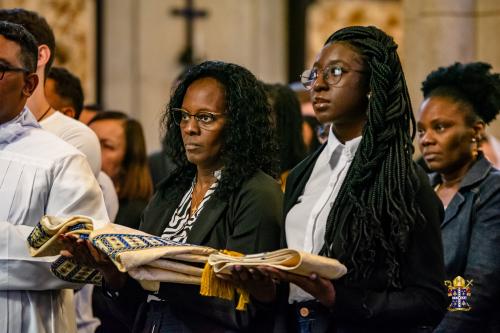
(39, 175)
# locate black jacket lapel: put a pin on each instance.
(295, 184)
(207, 220)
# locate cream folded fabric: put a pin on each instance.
(43, 240)
(290, 260)
(152, 260)
(129, 248)
(148, 259)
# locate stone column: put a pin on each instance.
(441, 32)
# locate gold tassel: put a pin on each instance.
(243, 300)
(211, 285)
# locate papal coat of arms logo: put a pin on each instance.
(459, 290)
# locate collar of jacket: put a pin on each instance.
(477, 173)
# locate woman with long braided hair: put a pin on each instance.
(360, 198)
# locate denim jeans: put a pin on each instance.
(159, 319)
(311, 317)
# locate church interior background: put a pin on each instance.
(127, 52)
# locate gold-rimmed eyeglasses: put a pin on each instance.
(331, 74)
(205, 119)
(6, 68)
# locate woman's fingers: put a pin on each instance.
(66, 253)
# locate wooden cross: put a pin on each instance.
(189, 13)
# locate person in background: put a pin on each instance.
(160, 164)
(459, 101)
(311, 127)
(362, 200)
(88, 112)
(288, 121)
(64, 93)
(490, 146)
(124, 160)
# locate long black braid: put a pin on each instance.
(375, 209)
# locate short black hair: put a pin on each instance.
(36, 25)
(93, 107)
(18, 34)
(68, 86)
(470, 83)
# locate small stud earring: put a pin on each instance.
(473, 140)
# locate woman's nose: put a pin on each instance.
(191, 126)
(320, 83)
(426, 138)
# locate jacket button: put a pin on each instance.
(304, 312)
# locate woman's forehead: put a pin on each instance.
(341, 52)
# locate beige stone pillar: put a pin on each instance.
(441, 32)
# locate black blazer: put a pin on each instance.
(371, 304)
(248, 222)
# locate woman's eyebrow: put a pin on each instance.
(331, 62)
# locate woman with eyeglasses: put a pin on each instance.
(360, 199)
(223, 194)
(459, 100)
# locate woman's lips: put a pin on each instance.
(430, 156)
(191, 146)
(320, 104)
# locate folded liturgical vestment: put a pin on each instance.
(152, 260)
(293, 261)
(148, 259)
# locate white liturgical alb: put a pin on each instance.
(39, 175)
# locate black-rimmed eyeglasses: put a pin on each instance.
(5, 68)
(331, 74)
(205, 119)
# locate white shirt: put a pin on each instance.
(76, 134)
(306, 221)
(39, 174)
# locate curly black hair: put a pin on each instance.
(471, 83)
(249, 142)
(376, 209)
